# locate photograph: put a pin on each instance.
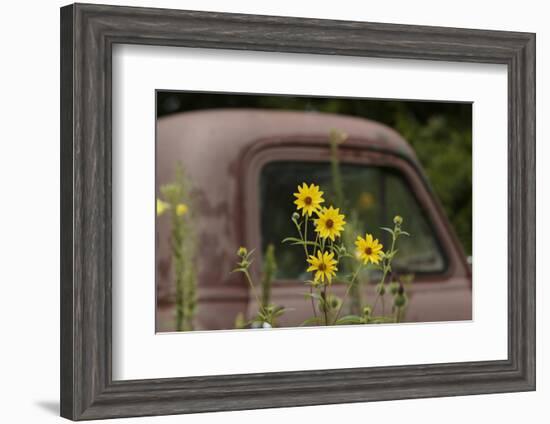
(278, 211)
(255, 212)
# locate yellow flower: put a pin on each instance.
(323, 265)
(309, 199)
(330, 223)
(369, 249)
(162, 207)
(181, 209)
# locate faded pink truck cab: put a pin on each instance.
(223, 152)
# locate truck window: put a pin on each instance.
(372, 196)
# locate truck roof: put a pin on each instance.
(231, 130)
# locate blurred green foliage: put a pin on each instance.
(440, 133)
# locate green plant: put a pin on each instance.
(325, 253)
(337, 138)
(267, 314)
(268, 272)
(176, 201)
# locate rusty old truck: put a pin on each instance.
(244, 166)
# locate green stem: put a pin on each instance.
(311, 287)
(177, 254)
(378, 294)
(312, 301)
(329, 294)
(303, 238)
(386, 267)
(249, 279)
(325, 309)
(352, 282)
(375, 302)
(316, 243)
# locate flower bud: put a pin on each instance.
(400, 300)
(295, 217)
(381, 289)
(401, 289)
(394, 288)
(367, 311)
(242, 252)
(397, 220)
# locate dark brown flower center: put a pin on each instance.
(322, 267)
(329, 223)
(308, 200)
(368, 251)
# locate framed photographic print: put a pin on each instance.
(268, 211)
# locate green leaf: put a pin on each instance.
(312, 243)
(296, 241)
(349, 319)
(381, 320)
(292, 239)
(308, 321)
(389, 230)
(390, 255)
(280, 311)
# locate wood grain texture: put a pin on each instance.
(66, 213)
(88, 33)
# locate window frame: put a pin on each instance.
(357, 150)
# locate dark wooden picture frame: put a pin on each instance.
(88, 33)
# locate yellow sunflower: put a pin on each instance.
(323, 265)
(330, 223)
(369, 249)
(309, 199)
